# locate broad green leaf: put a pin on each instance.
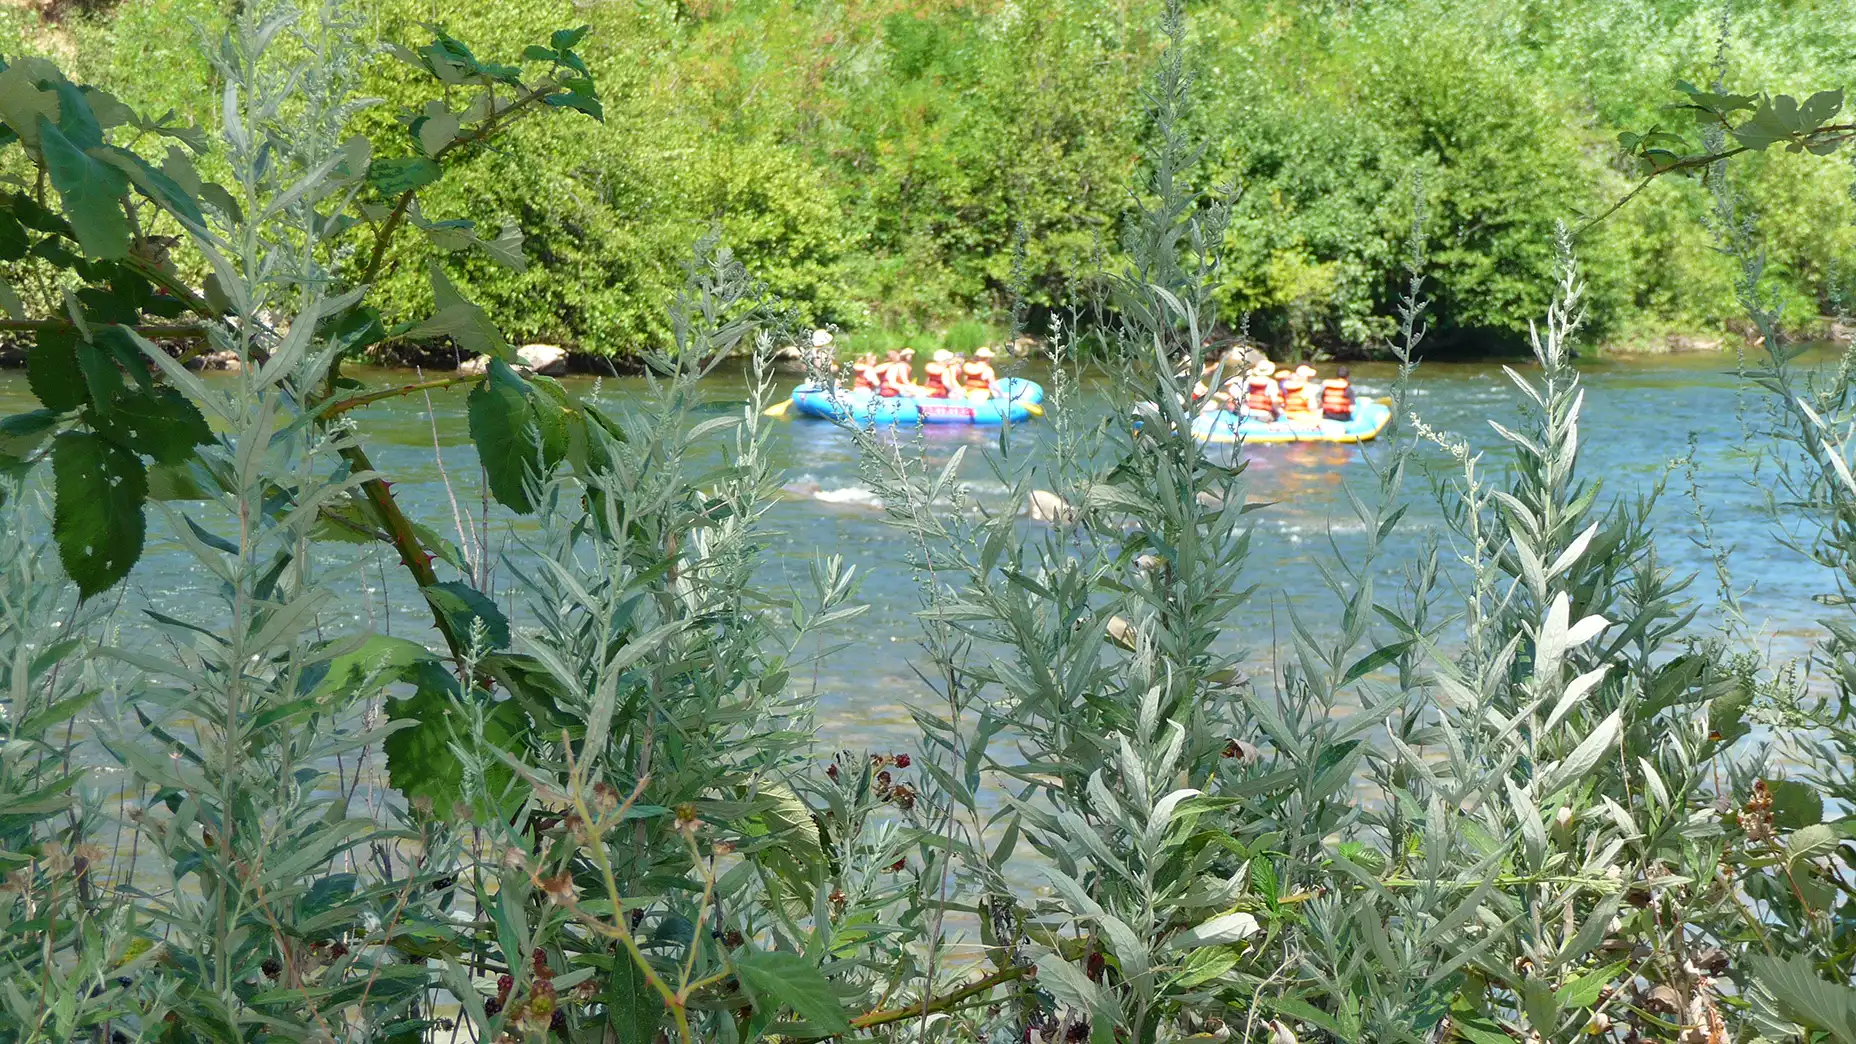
(1204, 965)
(461, 320)
(503, 428)
(76, 121)
(52, 371)
(552, 410)
(22, 103)
(421, 761)
(634, 1011)
(1819, 108)
(1794, 805)
(379, 658)
(99, 489)
(583, 102)
(13, 241)
(562, 39)
(92, 192)
(1584, 991)
(22, 433)
(163, 425)
(1766, 126)
(460, 603)
(155, 183)
(1540, 1005)
(506, 248)
(1806, 998)
(221, 199)
(1810, 841)
(394, 176)
(1225, 928)
(1374, 660)
(101, 376)
(175, 482)
(436, 127)
(789, 980)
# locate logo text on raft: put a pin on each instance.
(947, 411)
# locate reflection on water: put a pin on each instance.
(1638, 416)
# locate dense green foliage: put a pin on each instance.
(602, 817)
(875, 161)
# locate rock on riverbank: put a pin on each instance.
(548, 360)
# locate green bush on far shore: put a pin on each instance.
(873, 161)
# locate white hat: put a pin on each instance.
(982, 352)
(943, 355)
(821, 338)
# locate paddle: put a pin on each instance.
(778, 409)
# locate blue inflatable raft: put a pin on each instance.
(1370, 417)
(1022, 398)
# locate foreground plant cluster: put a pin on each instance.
(1522, 798)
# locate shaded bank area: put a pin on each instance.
(879, 163)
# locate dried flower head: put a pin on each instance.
(560, 889)
(605, 798)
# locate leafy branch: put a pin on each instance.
(1782, 120)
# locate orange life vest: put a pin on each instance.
(934, 375)
(977, 376)
(1294, 393)
(1336, 401)
(1260, 396)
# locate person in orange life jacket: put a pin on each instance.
(866, 369)
(977, 374)
(886, 383)
(1299, 393)
(935, 378)
(1262, 395)
(895, 376)
(1337, 396)
(1290, 386)
(821, 357)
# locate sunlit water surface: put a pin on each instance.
(1638, 416)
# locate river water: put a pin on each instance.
(1638, 415)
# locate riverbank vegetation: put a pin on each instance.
(875, 162)
(1524, 797)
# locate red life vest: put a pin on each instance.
(934, 375)
(977, 376)
(1260, 396)
(1336, 398)
(866, 377)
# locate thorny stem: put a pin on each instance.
(355, 402)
